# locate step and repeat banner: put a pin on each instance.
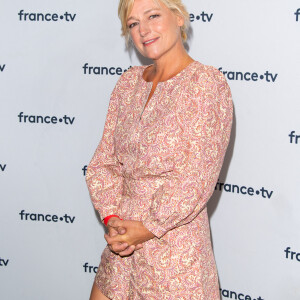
(59, 62)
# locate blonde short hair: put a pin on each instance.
(125, 7)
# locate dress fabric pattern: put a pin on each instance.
(159, 164)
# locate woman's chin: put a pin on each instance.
(152, 56)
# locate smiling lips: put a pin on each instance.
(149, 42)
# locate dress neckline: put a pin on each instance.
(170, 79)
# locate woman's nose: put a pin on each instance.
(144, 29)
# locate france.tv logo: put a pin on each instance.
(297, 14)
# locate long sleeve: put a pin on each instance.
(205, 118)
(104, 178)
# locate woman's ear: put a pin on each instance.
(180, 20)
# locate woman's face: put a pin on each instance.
(154, 29)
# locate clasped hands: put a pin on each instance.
(126, 236)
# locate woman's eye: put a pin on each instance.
(132, 25)
(154, 16)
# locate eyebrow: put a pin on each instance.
(145, 12)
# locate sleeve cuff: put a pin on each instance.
(157, 230)
(105, 212)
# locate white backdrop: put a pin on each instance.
(51, 120)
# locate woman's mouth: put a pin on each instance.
(150, 42)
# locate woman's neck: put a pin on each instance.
(167, 66)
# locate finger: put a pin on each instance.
(114, 240)
(118, 223)
(114, 223)
(121, 230)
(106, 236)
(112, 231)
(112, 250)
(119, 247)
(110, 240)
(112, 220)
(138, 246)
(128, 251)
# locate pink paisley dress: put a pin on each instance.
(159, 164)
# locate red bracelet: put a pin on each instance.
(105, 220)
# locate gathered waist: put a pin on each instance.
(138, 195)
(143, 186)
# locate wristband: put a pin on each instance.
(105, 220)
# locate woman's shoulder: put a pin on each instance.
(132, 73)
(210, 83)
(129, 80)
(205, 73)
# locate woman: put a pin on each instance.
(164, 140)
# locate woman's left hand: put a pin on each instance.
(135, 235)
